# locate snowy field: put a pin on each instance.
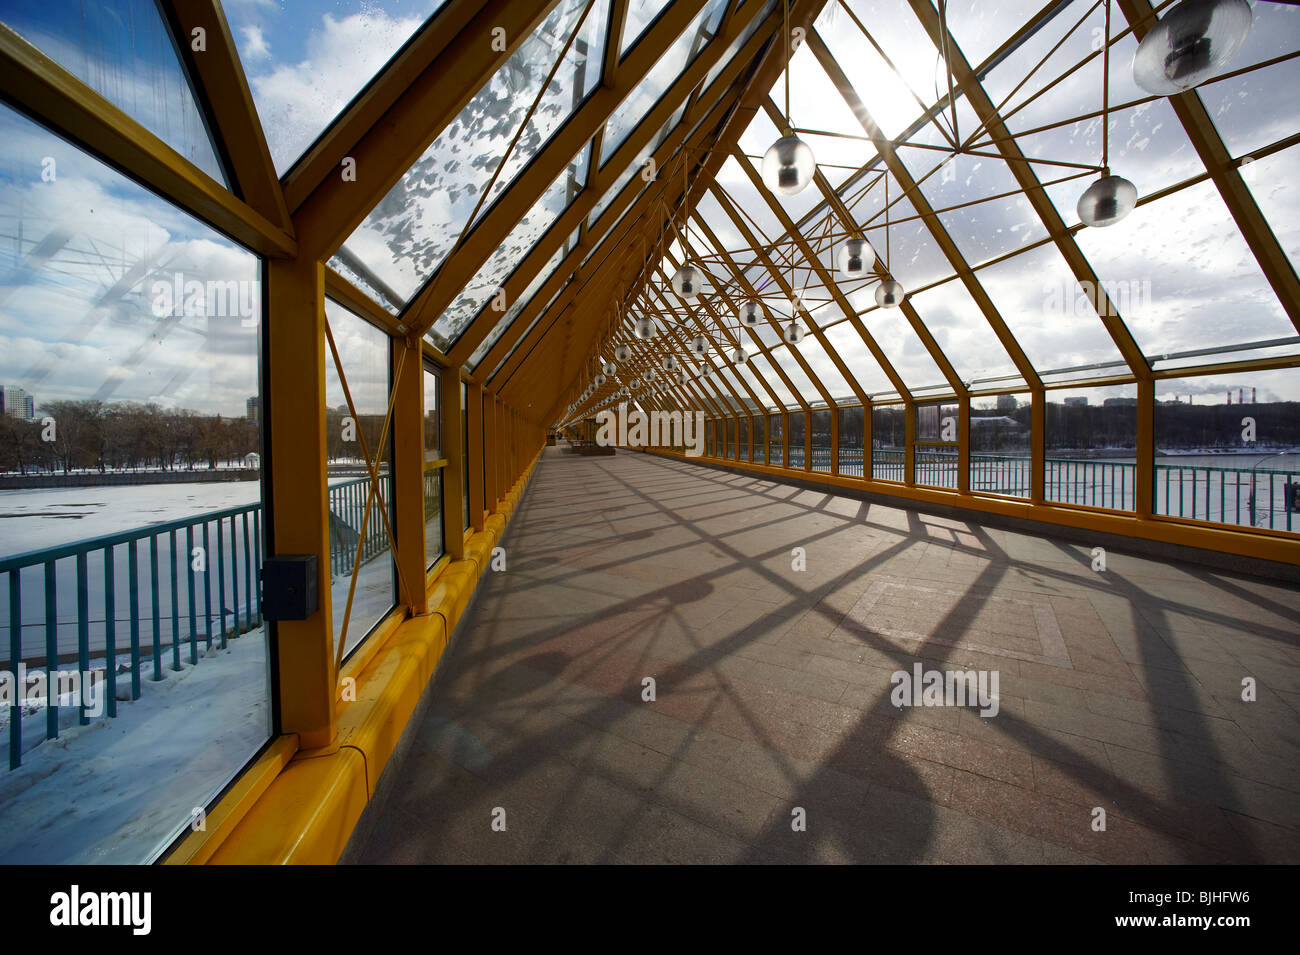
(120, 790)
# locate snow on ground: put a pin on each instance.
(37, 518)
(120, 790)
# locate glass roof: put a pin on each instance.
(964, 186)
(949, 198)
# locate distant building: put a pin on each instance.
(253, 409)
(1120, 403)
(17, 403)
(1007, 403)
(1079, 402)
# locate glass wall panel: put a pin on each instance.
(358, 538)
(731, 437)
(129, 363)
(935, 460)
(888, 442)
(760, 438)
(1000, 444)
(851, 440)
(742, 438)
(1092, 446)
(1228, 449)
(798, 427)
(820, 423)
(464, 454)
(776, 439)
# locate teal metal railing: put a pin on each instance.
(150, 595)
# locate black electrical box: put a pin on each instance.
(289, 587)
(1293, 497)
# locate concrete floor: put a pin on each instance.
(1119, 690)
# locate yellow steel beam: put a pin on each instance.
(57, 99)
(322, 159)
(293, 405)
(224, 90)
(475, 248)
(408, 469)
(403, 130)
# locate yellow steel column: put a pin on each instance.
(477, 465)
(408, 469)
(453, 520)
(294, 408)
(1144, 496)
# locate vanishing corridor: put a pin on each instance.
(1118, 689)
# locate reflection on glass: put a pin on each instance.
(129, 352)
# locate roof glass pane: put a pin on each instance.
(125, 52)
(962, 332)
(1272, 181)
(1253, 110)
(1044, 306)
(510, 252)
(291, 55)
(519, 304)
(662, 75)
(405, 238)
(1183, 275)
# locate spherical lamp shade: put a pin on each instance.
(686, 282)
(599, 381)
(750, 313)
(854, 257)
(1192, 43)
(794, 332)
(700, 345)
(738, 355)
(649, 374)
(889, 294)
(609, 368)
(1106, 201)
(670, 363)
(635, 384)
(644, 328)
(622, 353)
(788, 166)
